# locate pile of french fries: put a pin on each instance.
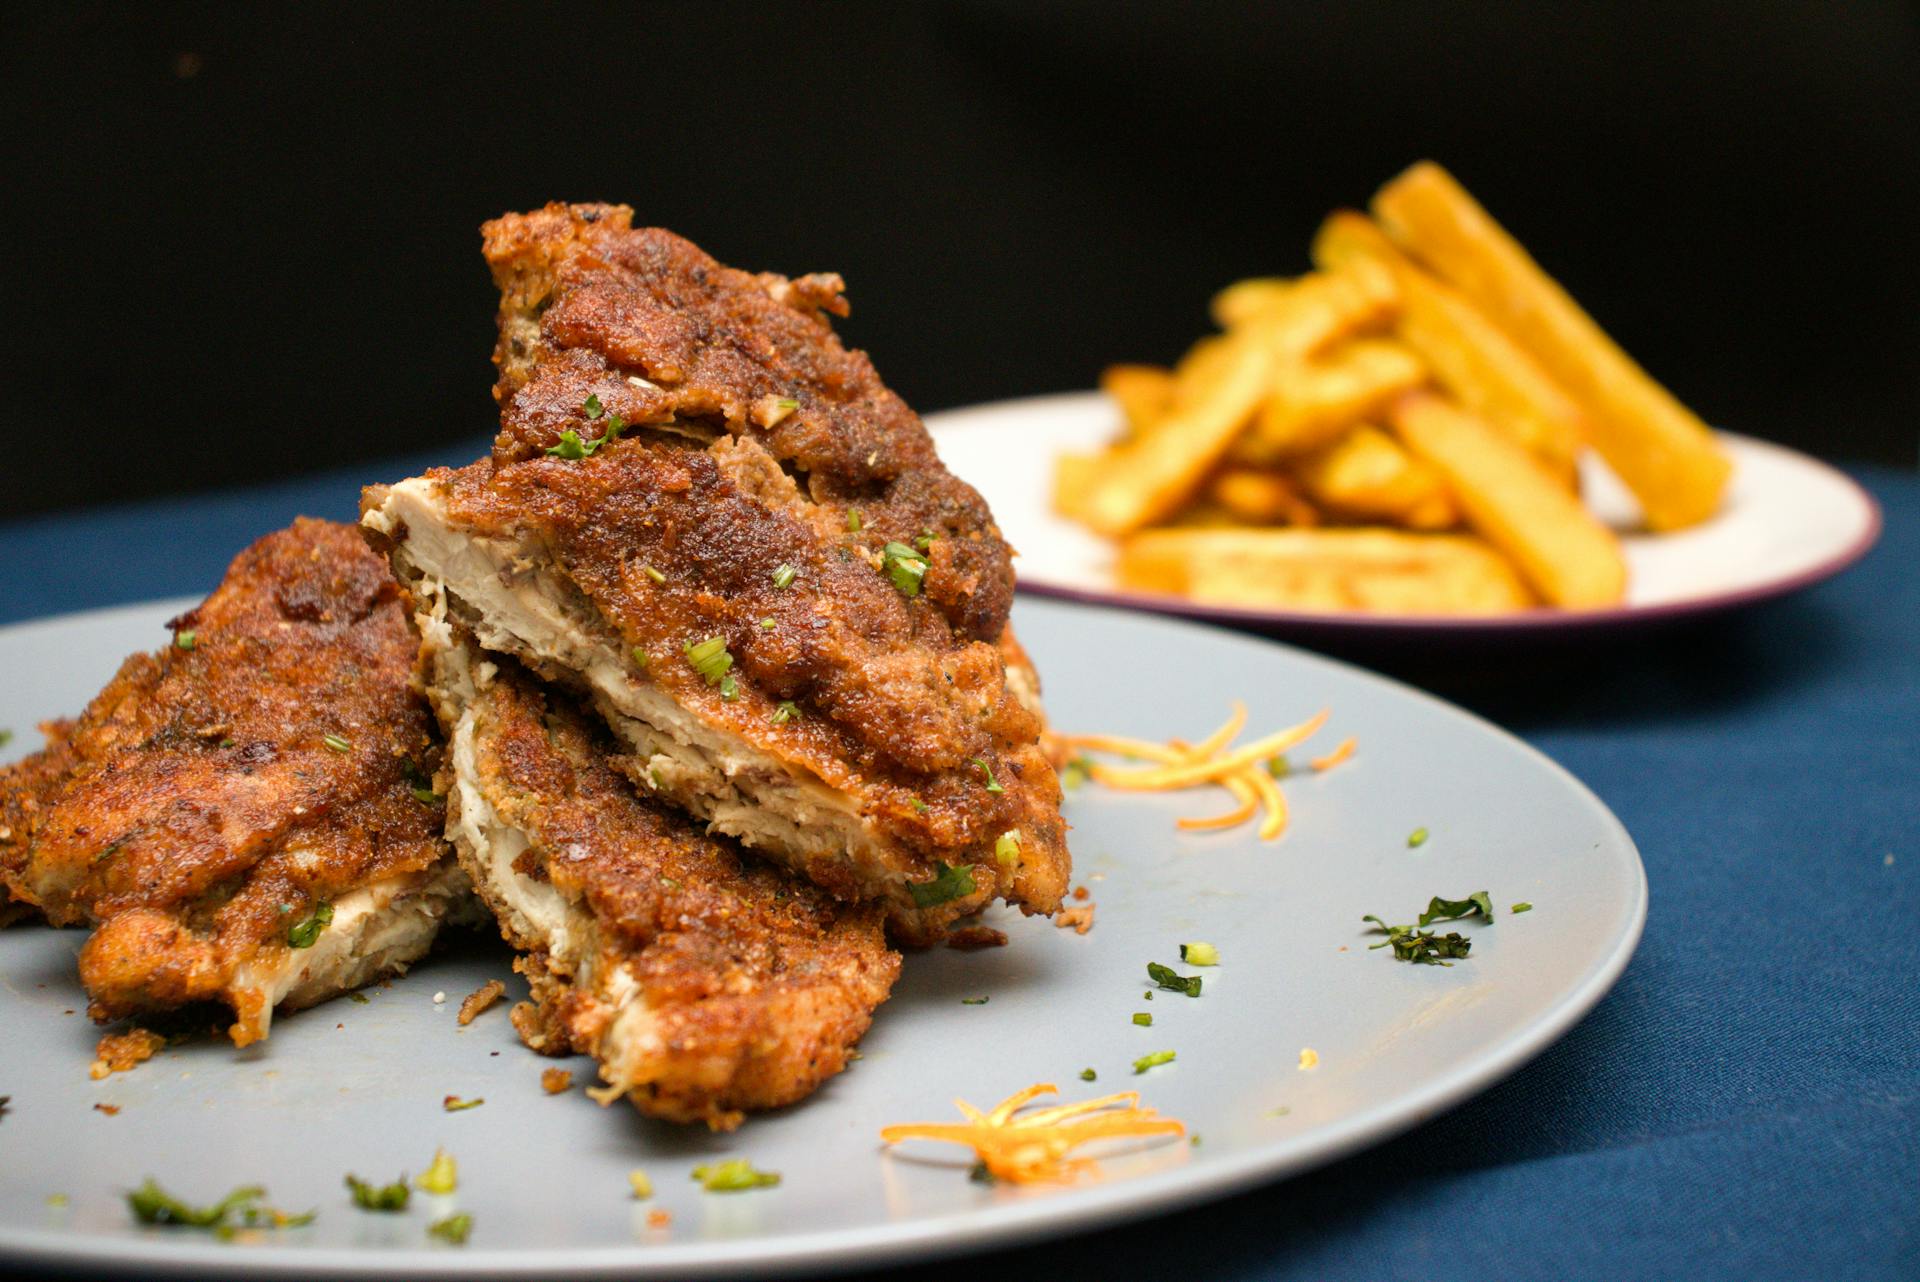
(1394, 432)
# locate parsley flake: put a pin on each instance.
(951, 883)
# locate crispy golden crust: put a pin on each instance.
(204, 810)
(589, 303)
(27, 788)
(753, 987)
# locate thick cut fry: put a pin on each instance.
(1322, 308)
(1366, 476)
(1260, 496)
(1245, 299)
(1314, 402)
(1564, 552)
(1220, 384)
(1469, 355)
(1074, 476)
(1663, 453)
(1143, 393)
(1374, 570)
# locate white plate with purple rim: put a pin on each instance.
(1789, 522)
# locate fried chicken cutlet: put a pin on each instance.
(715, 523)
(27, 786)
(244, 814)
(704, 982)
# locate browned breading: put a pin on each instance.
(759, 446)
(705, 984)
(223, 789)
(27, 787)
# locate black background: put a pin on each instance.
(241, 242)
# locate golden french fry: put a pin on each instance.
(1568, 556)
(1074, 476)
(1366, 476)
(1374, 570)
(1313, 402)
(1244, 299)
(1143, 392)
(1260, 496)
(1217, 388)
(1663, 453)
(1470, 356)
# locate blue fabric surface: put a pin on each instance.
(1746, 1104)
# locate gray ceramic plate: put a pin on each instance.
(350, 1087)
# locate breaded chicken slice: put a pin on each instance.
(705, 983)
(716, 524)
(27, 786)
(245, 813)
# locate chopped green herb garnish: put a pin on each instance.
(1418, 837)
(982, 1174)
(853, 520)
(573, 448)
(385, 1197)
(952, 883)
(1167, 978)
(925, 541)
(186, 640)
(441, 1176)
(639, 657)
(1007, 849)
(642, 1186)
(919, 806)
(1088, 1075)
(1522, 907)
(454, 1104)
(1147, 996)
(653, 574)
(1421, 947)
(1143, 1018)
(1200, 954)
(454, 1229)
(1154, 1060)
(767, 624)
(973, 1001)
(784, 576)
(787, 711)
(735, 1175)
(992, 784)
(904, 566)
(421, 785)
(1439, 909)
(358, 999)
(1279, 767)
(337, 743)
(709, 658)
(304, 932)
(788, 403)
(729, 688)
(152, 1204)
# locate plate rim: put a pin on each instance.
(1558, 622)
(946, 1236)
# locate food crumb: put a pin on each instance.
(1079, 892)
(1078, 919)
(641, 1185)
(969, 939)
(439, 999)
(555, 1080)
(659, 1219)
(479, 999)
(1309, 1059)
(111, 1110)
(120, 1052)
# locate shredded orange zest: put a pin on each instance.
(1033, 1146)
(1178, 765)
(1335, 757)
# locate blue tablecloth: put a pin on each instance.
(1746, 1104)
